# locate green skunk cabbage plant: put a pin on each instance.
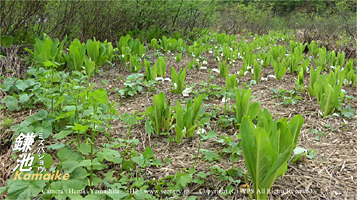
(160, 66)
(47, 50)
(151, 73)
(190, 50)
(223, 68)
(197, 51)
(99, 52)
(300, 80)
(300, 86)
(327, 90)
(181, 46)
(231, 82)
(77, 55)
(256, 71)
(187, 118)
(164, 43)
(179, 57)
(142, 50)
(277, 52)
(135, 65)
(266, 59)
(304, 66)
(160, 114)
(124, 43)
(332, 58)
(89, 67)
(350, 74)
(314, 75)
(294, 59)
(243, 105)
(154, 45)
(178, 80)
(313, 48)
(249, 58)
(138, 48)
(329, 100)
(189, 65)
(279, 69)
(172, 46)
(299, 48)
(292, 45)
(322, 61)
(340, 59)
(267, 149)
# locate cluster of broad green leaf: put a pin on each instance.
(187, 118)
(171, 44)
(81, 57)
(178, 80)
(243, 105)
(127, 46)
(267, 147)
(326, 89)
(47, 50)
(160, 114)
(160, 66)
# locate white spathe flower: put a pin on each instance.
(201, 131)
(249, 67)
(332, 67)
(224, 100)
(198, 60)
(215, 70)
(252, 71)
(237, 80)
(287, 54)
(231, 49)
(167, 79)
(203, 68)
(204, 62)
(175, 86)
(246, 72)
(210, 52)
(159, 79)
(218, 58)
(264, 79)
(346, 82)
(221, 54)
(122, 55)
(168, 51)
(184, 130)
(187, 91)
(299, 150)
(271, 76)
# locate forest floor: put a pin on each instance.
(331, 174)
